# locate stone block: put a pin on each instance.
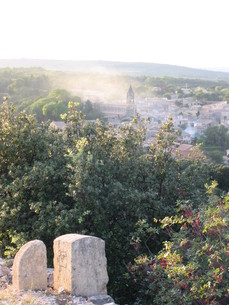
(80, 265)
(30, 267)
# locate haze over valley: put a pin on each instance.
(114, 123)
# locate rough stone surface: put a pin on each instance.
(101, 300)
(4, 270)
(30, 267)
(50, 274)
(11, 296)
(5, 276)
(80, 265)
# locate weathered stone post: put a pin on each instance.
(30, 266)
(80, 264)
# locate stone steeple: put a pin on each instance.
(130, 96)
(130, 108)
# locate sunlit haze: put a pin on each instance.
(191, 33)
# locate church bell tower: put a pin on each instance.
(130, 109)
(130, 96)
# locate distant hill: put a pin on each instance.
(124, 68)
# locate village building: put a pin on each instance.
(116, 112)
(130, 104)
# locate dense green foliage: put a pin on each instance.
(203, 91)
(220, 173)
(91, 179)
(217, 135)
(193, 266)
(33, 171)
(34, 90)
(215, 141)
(52, 106)
(26, 87)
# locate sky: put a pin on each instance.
(192, 33)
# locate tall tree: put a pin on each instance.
(33, 174)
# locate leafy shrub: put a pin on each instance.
(90, 179)
(193, 267)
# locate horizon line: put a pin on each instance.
(213, 69)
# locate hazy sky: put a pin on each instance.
(191, 33)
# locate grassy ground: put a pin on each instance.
(10, 296)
